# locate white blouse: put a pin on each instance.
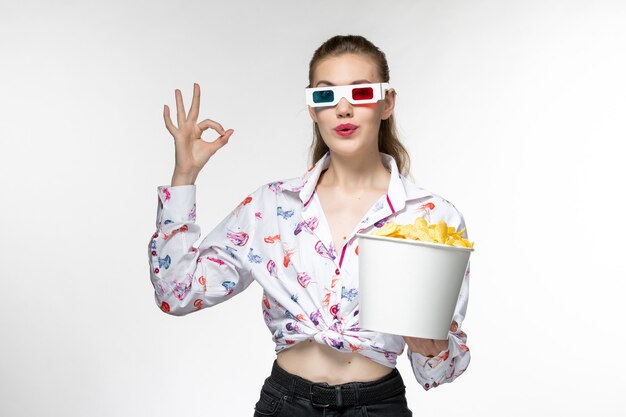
(278, 236)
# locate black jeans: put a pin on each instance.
(280, 399)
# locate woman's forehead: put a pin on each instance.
(346, 69)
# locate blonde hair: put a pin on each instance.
(388, 141)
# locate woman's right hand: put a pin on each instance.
(192, 152)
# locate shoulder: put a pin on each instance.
(294, 184)
(439, 207)
(268, 191)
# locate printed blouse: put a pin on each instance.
(279, 237)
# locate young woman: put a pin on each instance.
(297, 238)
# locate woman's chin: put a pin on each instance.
(352, 148)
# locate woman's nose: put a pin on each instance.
(343, 108)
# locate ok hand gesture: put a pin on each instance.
(192, 152)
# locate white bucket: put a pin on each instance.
(409, 287)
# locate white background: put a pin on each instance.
(512, 110)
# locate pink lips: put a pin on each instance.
(346, 129)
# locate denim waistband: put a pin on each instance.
(322, 394)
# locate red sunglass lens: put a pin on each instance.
(362, 93)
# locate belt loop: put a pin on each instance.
(339, 398)
(356, 395)
(292, 389)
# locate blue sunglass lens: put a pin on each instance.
(323, 96)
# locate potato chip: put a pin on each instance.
(387, 229)
(460, 243)
(439, 232)
(420, 222)
(407, 230)
(420, 230)
(423, 235)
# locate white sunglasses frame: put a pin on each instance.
(341, 91)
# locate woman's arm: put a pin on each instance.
(429, 347)
(186, 278)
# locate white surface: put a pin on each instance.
(512, 110)
(409, 288)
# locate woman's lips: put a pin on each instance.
(346, 130)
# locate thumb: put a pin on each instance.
(226, 135)
(223, 140)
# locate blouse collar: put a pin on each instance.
(400, 188)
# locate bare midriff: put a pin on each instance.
(321, 363)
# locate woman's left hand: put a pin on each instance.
(428, 347)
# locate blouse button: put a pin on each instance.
(337, 271)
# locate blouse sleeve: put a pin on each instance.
(186, 278)
(453, 361)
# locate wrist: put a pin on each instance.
(431, 348)
(180, 178)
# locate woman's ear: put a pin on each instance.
(313, 114)
(389, 103)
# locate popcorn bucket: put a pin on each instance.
(409, 287)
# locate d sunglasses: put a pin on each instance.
(355, 94)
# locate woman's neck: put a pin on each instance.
(350, 174)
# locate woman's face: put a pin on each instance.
(344, 70)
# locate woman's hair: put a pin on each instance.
(388, 141)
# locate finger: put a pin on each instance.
(168, 121)
(195, 103)
(180, 106)
(454, 326)
(208, 123)
(223, 140)
(228, 134)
